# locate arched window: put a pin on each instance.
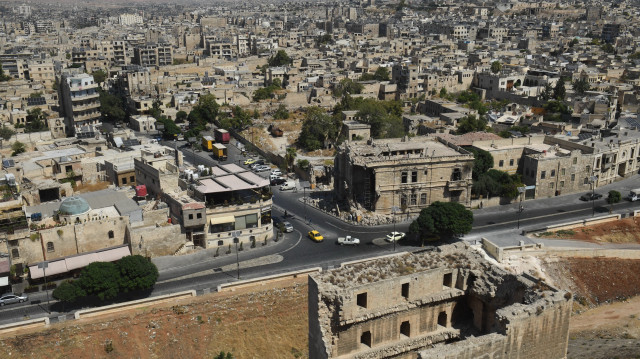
(50, 247)
(110, 234)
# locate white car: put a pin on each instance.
(395, 236)
(276, 172)
(10, 298)
(261, 168)
(288, 185)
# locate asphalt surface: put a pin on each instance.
(204, 271)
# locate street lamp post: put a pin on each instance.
(521, 191)
(593, 179)
(44, 266)
(394, 210)
(236, 240)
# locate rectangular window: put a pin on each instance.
(543, 174)
(575, 160)
(361, 300)
(191, 216)
(588, 169)
(414, 199)
(551, 185)
(573, 177)
(423, 198)
(586, 180)
(501, 163)
(561, 183)
(403, 177)
(447, 280)
(511, 162)
(553, 173)
(562, 171)
(405, 290)
(124, 180)
(414, 176)
(199, 215)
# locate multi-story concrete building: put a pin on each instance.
(448, 303)
(153, 55)
(408, 173)
(158, 171)
(80, 101)
(120, 57)
(130, 19)
(41, 71)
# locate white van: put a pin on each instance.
(288, 185)
(634, 195)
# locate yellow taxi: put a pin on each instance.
(316, 236)
(249, 161)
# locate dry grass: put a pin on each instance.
(270, 322)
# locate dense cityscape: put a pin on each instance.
(361, 179)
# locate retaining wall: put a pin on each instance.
(108, 309)
(268, 279)
(25, 324)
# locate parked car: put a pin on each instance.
(288, 185)
(348, 240)
(249, 161)
(256, 164)
(288, 228)
(11, 298)
(590, 196)
(277, 181)
(316, 236)
(261, 168)
(276, 172)
(395, 236)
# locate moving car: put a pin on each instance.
(316, 236)
(634, 195)
(277, 181)
(395, 236)
(348, 240)
(249, 161)
(288, 228)
(11, 298)
(288, 185)
(590, 196)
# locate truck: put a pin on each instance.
(207, 143)
(219, 152)
(634, 195)
(348, 240)
(221, 136)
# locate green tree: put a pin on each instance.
(382, 117)
(442, 219)
(496, 67)
(303, 164)
(559, 91)
(277, 82)
(99, 76)
(101, 279)
(482, 161)
(224, 355)
(18, 148)
(36, 120)
(347, 86)
(279, 59)
(181, 116)
(471, 124)
(325, 39)
(68, 292)
(382, 74)
(290, 157)
(265, 93)
(111, 108)
(171, 130)
(281, 113)
(547, 93)
(136, 272)
(317, 127)
(443, 92)
(6, 133)
(613, 198)
(3, 77)
(573, 42)
(581, 86)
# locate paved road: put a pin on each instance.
(204, 271)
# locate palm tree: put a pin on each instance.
(290, 156)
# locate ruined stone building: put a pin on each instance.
(407, 173)
(449, 303)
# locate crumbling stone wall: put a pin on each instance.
(397, 307)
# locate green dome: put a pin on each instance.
(72, 206)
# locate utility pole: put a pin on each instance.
(44, 265)
(593, 179)
(521, 191)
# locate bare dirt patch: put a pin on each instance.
(622, 231)
(92, 187)
(270, 322)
